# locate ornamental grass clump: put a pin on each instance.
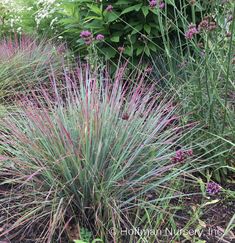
(90, 155)
(25, 62)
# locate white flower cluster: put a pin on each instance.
(14, 10)
(46, 9)
(13, 18)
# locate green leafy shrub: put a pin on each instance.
(134, 25)
(139, 26)
(97, 155)
(9, 20)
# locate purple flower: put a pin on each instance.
(87, 37)
(207, 24)
(109, 8)
(153, 3)
(181, 155)
(213, 188)
(99, 37)
(189, 152)
(192, 30)
(85, 34)
(161, 5)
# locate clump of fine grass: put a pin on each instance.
(96, 154)
(25, 62)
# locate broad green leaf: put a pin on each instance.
(145, 10)
(109, 52)
(139, 50)
(132, 8)
(147, 28)
(152, 46)
(95, 9)
(115, 38)
(147, 51)
(137, 29)
(110, 17)
(120, 2)
(129, 50)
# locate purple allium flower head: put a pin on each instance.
(213, 188)
(99, 37)
(109, 8)
(192, 30)
(85, 34)
(161, 5)
(153, 3)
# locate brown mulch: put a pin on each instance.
(213, 218)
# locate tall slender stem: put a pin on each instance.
(228, 70)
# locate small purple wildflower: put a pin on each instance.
(181, 155)
(85, 34)
(153, 3)
(192, 30)
(109, 8)
(161, 5)
(99, 37)
(212, 26)
(203, 25)
(213, 188)
(189, 152)
(207, 24)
